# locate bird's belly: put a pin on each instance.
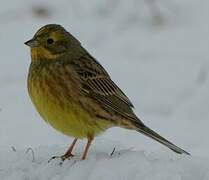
(67, 117)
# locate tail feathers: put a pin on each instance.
(152, 134)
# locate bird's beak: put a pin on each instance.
(32, 43)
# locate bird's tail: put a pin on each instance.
(152, 134)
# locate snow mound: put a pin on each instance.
(122, 165)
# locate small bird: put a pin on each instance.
(75, 94)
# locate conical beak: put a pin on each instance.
(32, 43)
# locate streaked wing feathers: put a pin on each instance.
(98, 84)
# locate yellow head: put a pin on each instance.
(52, 41)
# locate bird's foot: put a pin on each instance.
(63, 158)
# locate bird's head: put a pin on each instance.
(52, 41)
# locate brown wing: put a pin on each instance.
(97, 83)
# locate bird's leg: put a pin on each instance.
(68, 153)
(90, 139)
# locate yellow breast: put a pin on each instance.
(54, 102)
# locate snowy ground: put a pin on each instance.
(123, 165)
(161, 64)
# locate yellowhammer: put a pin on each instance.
(74, 93)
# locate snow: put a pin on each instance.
(123, 164)
(162, 65)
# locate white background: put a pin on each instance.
(161, 63)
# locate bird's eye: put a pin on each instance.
(50, 41)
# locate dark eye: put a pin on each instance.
(50, 41)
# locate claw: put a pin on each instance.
(54, 157)
(63, 158)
